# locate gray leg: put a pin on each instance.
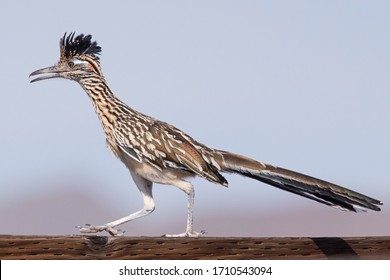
(145, 188)
(189, 228)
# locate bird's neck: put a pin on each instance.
(107, 106)
(103, 99)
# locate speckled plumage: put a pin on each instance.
(157, 152)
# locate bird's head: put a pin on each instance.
(78, 59)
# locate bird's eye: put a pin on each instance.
(76, 61)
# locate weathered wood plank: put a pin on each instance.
(274, 248)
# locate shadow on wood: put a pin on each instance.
(270, 248)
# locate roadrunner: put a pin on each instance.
(157, 152)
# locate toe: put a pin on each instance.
(187, 234)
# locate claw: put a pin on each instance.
(114, 232)
(96, 229)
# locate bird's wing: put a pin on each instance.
(164, 146)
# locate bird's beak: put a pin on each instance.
(53, 72)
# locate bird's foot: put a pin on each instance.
(95, 229)
(187, 234)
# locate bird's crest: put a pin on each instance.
(80, 45)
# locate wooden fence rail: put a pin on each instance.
(272, 248)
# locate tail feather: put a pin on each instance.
(304, 185)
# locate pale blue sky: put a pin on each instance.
(300, 84)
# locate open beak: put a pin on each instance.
(52, 72)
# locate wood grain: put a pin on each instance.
(270, 248)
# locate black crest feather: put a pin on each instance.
(79, 45)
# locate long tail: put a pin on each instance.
(313, 188)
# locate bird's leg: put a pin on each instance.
(109, 227)
(189, 228)
(145, 188)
